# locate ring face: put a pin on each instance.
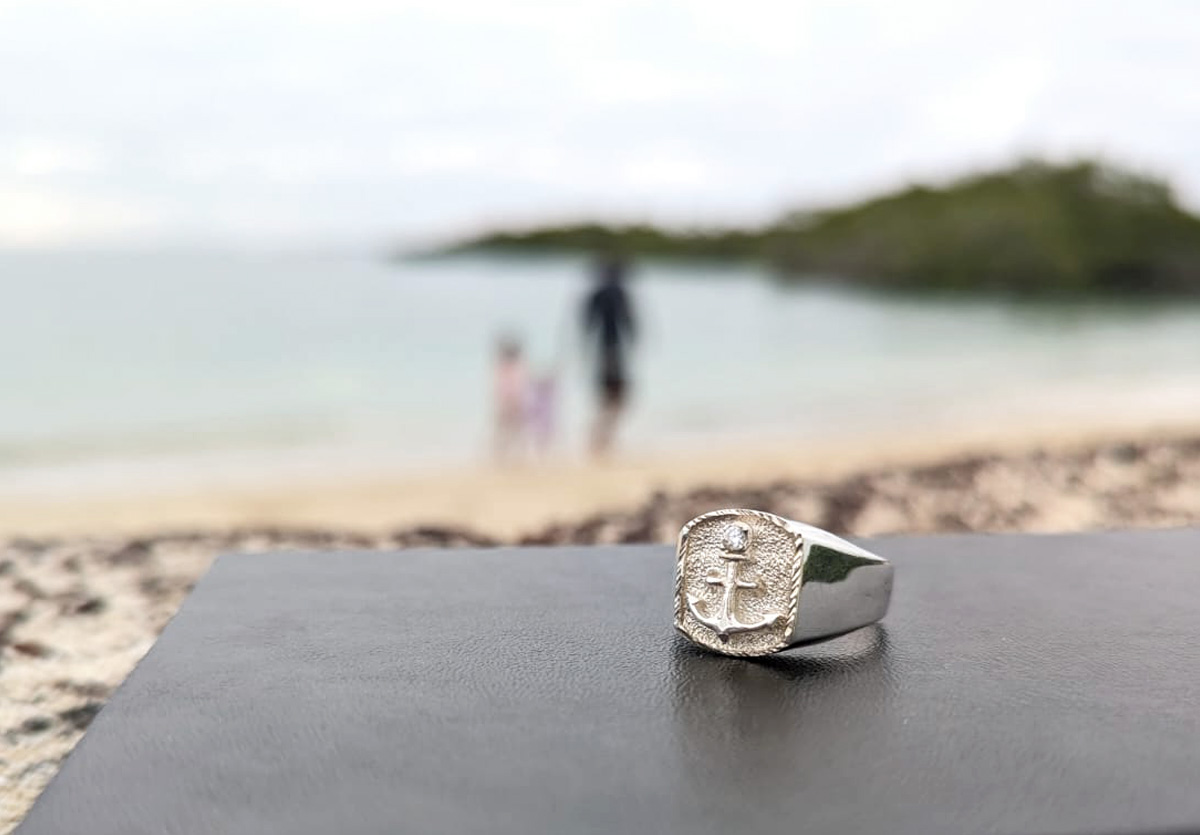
(737, 586)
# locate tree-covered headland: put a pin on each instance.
(1035, 228)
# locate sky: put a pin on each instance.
(367, 123)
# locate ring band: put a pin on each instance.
(753, 583)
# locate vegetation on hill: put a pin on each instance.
(1036, 228)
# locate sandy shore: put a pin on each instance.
(86, 585)
(507, 502)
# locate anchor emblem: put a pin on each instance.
(725, 622)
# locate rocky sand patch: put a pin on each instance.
(77, 614)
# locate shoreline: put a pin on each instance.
(505, 502)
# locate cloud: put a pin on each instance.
(41, 217)
(37, 158)
(310, 121)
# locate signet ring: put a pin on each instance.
(752, 583)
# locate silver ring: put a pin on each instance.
(753, 583)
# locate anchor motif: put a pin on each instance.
(725, 622)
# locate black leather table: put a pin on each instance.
(1021, 684)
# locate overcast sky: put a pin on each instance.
(358, 122)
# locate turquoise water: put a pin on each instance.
(190, 364)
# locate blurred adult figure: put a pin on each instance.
(609, 324)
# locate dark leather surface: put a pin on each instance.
(1021, 684)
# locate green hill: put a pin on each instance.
(1036, 228)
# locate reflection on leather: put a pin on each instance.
(747, 722)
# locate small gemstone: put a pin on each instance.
(737, 537)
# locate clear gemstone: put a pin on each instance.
(736, 538)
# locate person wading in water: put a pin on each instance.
(608, 320)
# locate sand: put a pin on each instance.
(505, 502)
(87, 584)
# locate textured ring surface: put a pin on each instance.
(753, 583)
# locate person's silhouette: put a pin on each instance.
(608, 319)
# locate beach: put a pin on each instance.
(86, 586)
(281, 403)
(500, 502)
(506, 502)
(458, 276)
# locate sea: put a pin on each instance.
(183, 367)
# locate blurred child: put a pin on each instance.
(510, 388)
(543, 395)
